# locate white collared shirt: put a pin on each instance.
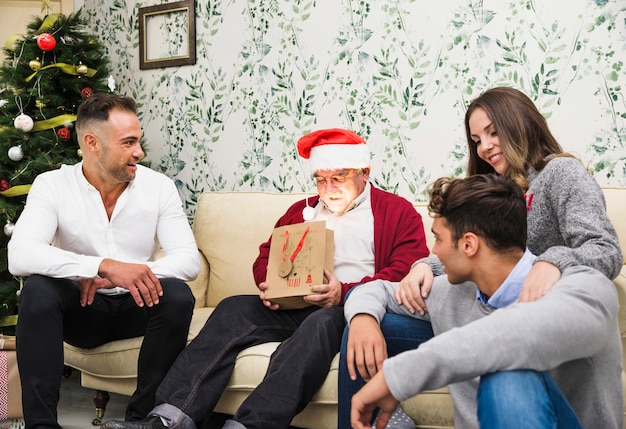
(64, 230)
(354, 237)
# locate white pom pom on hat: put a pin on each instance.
(334, 149)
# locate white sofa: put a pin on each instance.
(229, 228)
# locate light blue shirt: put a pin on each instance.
(509, 291)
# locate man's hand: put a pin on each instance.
(88, 288)
(269, 304)
(374, 394)
(367, 348)
(326, 295)
(542, 276)
(415, 287)
(138, 279)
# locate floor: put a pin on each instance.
(76, 409)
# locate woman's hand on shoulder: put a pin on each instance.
(542, 276)
(415, 287)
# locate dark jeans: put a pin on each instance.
(402, 333)
(310, 339)
(50, 313)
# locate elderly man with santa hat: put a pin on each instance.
(378, 235)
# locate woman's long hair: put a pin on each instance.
(525, 138)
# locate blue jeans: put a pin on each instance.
(309, 337)
(402, 333)
(523, 399)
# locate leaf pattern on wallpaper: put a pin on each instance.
(387, 93)
(399, 72)
(608, 150)
(281, 93)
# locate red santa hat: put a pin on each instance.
(334, 149)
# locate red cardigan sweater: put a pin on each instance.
(399, 238)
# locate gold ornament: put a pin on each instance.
(35, 64)
(39, 104)
(79, 152)
(82, 69)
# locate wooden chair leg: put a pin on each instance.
(67, 371)
(100, 400)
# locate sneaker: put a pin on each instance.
(151, 422)
(399, 420)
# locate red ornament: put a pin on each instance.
(86, 92)
(63, 133)
(4, 185)
(46, 42)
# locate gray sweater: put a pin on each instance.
(571, 332)
(567, 220)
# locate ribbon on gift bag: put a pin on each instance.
(298, 255)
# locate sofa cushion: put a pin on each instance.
(198, 286)
(231, 253)
(616, 209)
(247, 376)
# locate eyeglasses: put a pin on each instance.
(337, 180)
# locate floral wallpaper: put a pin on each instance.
(399, 72)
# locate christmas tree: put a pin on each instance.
(47, 72)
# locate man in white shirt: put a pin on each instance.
(85, 240)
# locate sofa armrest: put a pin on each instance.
(200, 285)
(620, 285)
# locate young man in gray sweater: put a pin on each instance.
(555, 362)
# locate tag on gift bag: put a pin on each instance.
(298, 255)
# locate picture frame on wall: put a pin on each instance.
(167, 35)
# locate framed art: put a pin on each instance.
(167, 35)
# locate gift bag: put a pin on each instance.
(10, 387)
(298, 255)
